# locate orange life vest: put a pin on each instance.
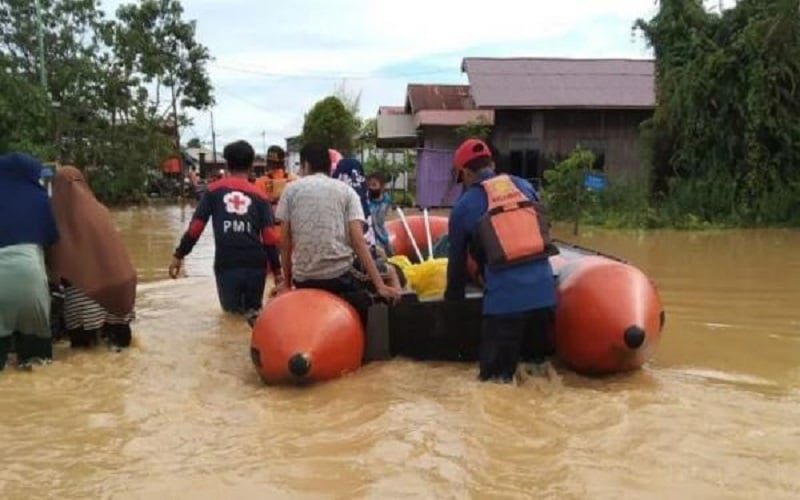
(273, 184)
(514, 228)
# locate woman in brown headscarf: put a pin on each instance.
(91, 260)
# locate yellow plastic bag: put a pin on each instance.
(428, 279)
(401, 261)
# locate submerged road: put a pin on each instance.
(716, 414)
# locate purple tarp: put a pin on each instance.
(435, 184)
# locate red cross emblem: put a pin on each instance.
(237, 203)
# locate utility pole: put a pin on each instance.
(213, 139)
(264, 143)
(177, 141)
(40, 36)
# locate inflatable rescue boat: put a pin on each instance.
(608, 320)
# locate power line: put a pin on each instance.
(242, 99)
(352, 76)
(197, 134)
(252, 104)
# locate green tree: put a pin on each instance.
(366, 139)
(102, 105)
(564, 182)
(724, 142)
(71, 99)
(153, 40)
(480, 128)
(368, 136)
(23, 128)
(330, 123)
(351, 101)
(194, 142)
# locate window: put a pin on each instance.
(524, 163)
(531, 164)
(523, 155)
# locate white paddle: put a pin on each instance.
(428, 233)
(408, 232)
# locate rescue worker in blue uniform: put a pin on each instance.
(499, 221)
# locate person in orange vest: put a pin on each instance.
(276, 178)
(500, 222)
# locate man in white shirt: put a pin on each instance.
(322, 227)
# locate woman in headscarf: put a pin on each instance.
(91, 260)
(351, 172)
(27, 229)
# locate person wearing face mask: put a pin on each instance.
(276, 178)
(323, 245)
(379, 205)
(351, 172)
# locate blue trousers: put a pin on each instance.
(241, 289)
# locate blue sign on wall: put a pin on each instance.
(594, 181)
(47, 173)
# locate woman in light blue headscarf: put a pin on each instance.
(27, 229)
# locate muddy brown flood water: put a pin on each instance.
(183, 415)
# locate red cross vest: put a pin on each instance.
(514, 229)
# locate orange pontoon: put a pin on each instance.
(608, 320)
(306, 335)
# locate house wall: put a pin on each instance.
(553, 134)
(443, 138)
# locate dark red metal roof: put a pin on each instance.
(421, 97)
(561, 83)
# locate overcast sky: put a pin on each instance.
(274, 58)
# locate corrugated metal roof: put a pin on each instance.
(451, 118)
(561, 83)
(421, 97)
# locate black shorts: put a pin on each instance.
(346, 283)
(356, 279)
